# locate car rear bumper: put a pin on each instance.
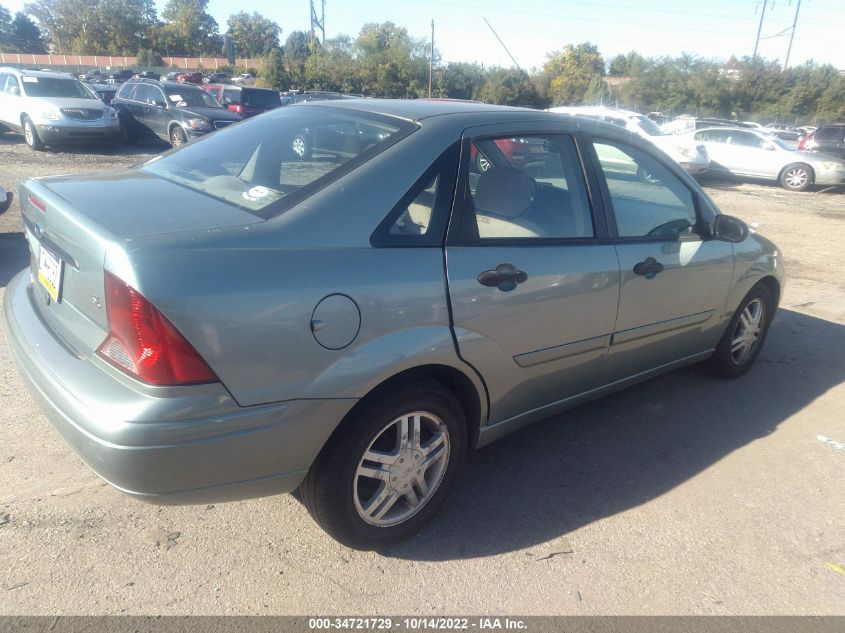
(695, 168)
(164, 445)
(54, 134)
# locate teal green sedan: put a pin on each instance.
(236, 319)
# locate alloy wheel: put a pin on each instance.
(748, 330)
(298, 146)
(401, 469)
(796, 177)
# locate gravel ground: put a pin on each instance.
(683, 495)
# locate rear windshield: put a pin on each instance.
(191, 97)
(261, 98)
(824, 133)
(56, 88)
(267, 164)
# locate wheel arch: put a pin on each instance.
(456, 381)
(772, 283)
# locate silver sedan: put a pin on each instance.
(749, 153)
(248, 320)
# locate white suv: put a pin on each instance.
(689, 155)
(50, 108)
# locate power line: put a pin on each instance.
(792, 35)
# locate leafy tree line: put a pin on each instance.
(123, 27)
(385, 60)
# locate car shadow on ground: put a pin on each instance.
(712, 180)
(140, 148)
(14, 255)
(624, 450)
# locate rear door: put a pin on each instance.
(533, 281)
(674, 279)
(155, 116)
(716, 144)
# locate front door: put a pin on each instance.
(675, 280)
(533, 282)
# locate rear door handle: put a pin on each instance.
(649, 268)
(505, 277)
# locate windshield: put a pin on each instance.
(269, 163)
(192, 98)
(261, 98)
(779, 142)
(55, 88)
(648, 126)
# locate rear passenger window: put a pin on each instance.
(127, 91)
(648, 200)
(527, 187)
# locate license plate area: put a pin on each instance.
(50, 269)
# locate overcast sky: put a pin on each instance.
(532, 28)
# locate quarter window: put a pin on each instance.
(527, 187)
(648, 200)
(415, 219)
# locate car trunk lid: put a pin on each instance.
(78, 220)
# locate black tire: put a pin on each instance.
(301, 147)
(177, 136)
(796, 177)
(30, 135)
(329, 491)
(725, 362)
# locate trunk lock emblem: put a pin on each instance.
(96, 301)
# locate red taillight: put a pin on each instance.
(236, 108)
(142, 342)
(35, 202)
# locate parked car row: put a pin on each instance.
(689, 155)
(743, 149)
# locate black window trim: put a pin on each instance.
(702, 233)
(463, 212)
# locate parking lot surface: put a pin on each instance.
(683, 495)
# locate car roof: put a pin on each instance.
(35, 73)
(606, 110)
(419, 109)
(161, 83)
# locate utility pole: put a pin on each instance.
(318, 23)
(759, 28)
(431, 60)
(792, 35)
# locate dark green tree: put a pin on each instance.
(252, 34)
(272, 73)
(295, 52)
(193, 29)
(26, 35)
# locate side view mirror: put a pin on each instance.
(15, 91)
(769, 147)
(5, 200)
(729, 229)
(159, 103)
